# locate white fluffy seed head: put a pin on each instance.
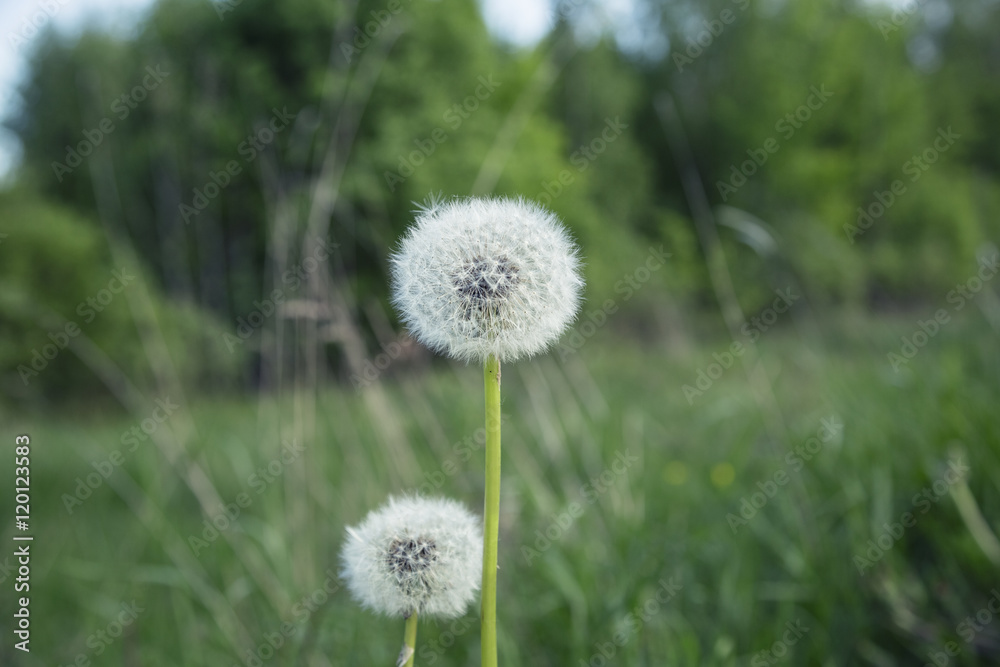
(476, 276)
(421, 555)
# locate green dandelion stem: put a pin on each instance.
(491, 511)
(410, 639)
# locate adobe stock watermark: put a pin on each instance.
(88, 309)
(453, 117)
(899, 16)
(582, 158)
(778, 651)
(130, 439)
(786, 126)
(891, 533)
(99, 641)
(915, 167)
(627, 287)
(633, 622)
(229, 512)
(6, 569)
(301, 611)
(44, 12)
(461, 453)
(565, 8)
(795, 460)
(223, 7)
(752, 330)
(363, 37)
(927, 329)
(706, 35)
(121, 108)
(248, 149)
(291, 280)
(371, 369)
(967, 630)
(432, 649)
(590, 492)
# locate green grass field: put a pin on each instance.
(638, 528)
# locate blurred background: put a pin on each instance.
(771, 437)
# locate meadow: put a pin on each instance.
(812, 506)
(770, 436)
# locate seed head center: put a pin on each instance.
(411, 555)
(484, 281)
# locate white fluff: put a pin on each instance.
(475, 277)
(415, 554)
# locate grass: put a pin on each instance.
(582, 559)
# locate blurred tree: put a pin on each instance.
(270, 127)
(68, 319)
(744, 73)
(228, 143)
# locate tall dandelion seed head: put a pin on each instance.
(419, 555)
(477, 276)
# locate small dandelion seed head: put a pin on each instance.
(475, 277)
(419, 555)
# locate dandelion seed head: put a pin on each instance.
(419, 555)
(477, 276)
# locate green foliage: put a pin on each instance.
(183, 182)
(390, 132)
(747, 85)
(580, 558)
(76, 314)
